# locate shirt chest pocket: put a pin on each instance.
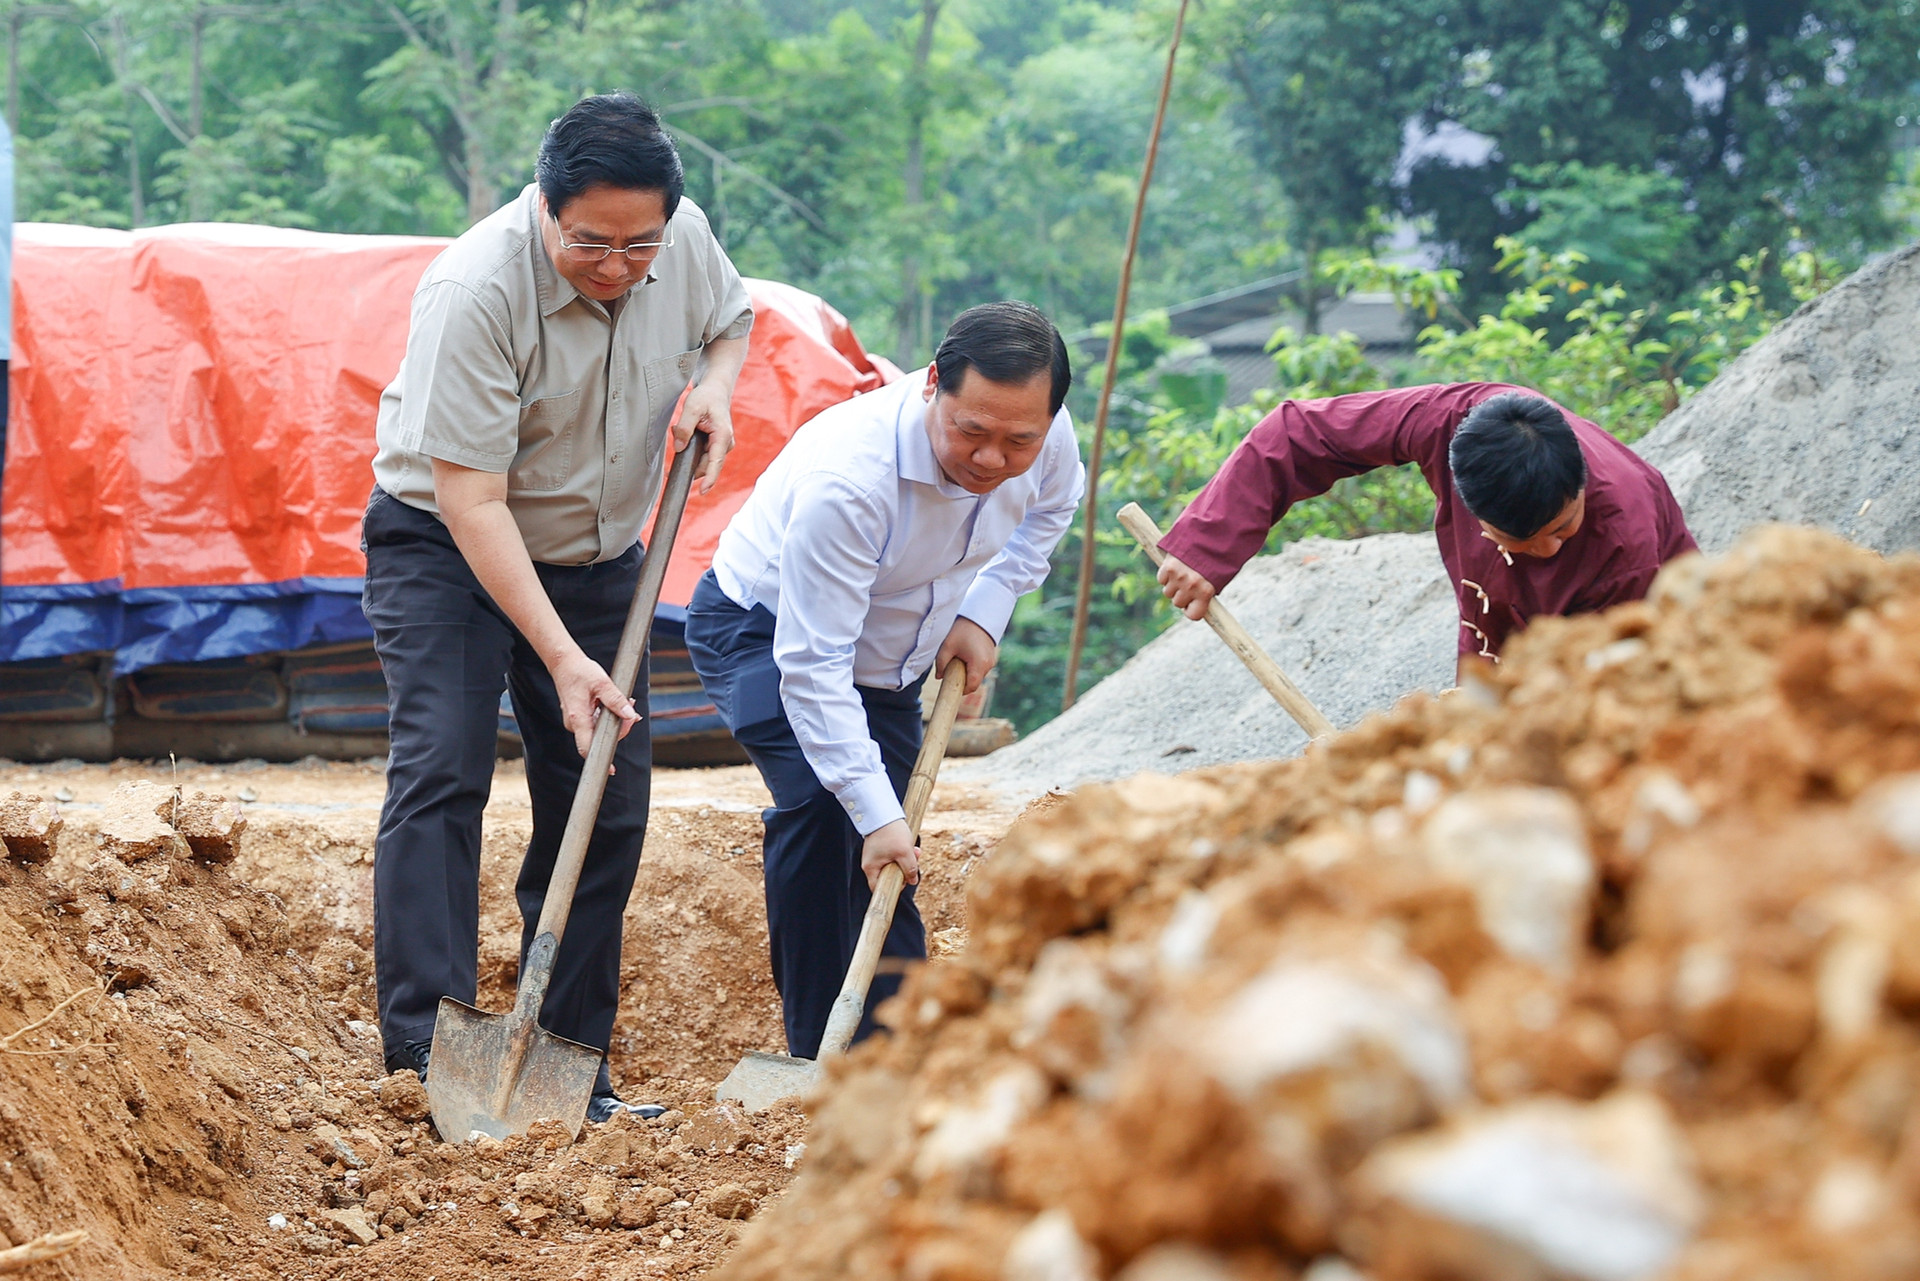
(665, 379)
(544, 458)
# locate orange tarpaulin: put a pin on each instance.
(192, 428)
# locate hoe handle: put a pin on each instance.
(626, 667)
(1238, 639)
(844, 1019)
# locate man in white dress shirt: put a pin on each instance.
(891, 535)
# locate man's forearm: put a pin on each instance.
(489, 538)
(725, 357)
(473, 505)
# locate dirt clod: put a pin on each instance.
(402, 1095)
(130, 828)
(30, 827)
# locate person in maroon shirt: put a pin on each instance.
(1538, 511)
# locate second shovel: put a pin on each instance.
(760, 1079)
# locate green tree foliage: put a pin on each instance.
(1325, 87)
(904, 158)
(1752, 120)
(1664, 139)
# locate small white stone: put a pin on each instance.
(1421, 793)
(966, 1138)
(276, 1222)
(1893, 805)
(1601, 1192)
(1050, 1249)
(1851, 980)
(1849, 1196)
(1704, 976)
(1176, 1261)
(1615, 654)
(1660, 798)
(1330, 1267)
(1066, 975)
(1387, 824)
(1184, 939)
(1523, 853)
(1299, 1015)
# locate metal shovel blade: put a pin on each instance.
(472, 1084)
(496, 1074)
(760, 1080)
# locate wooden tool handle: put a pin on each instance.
(1238, 639)
(626, 669)
(844, 1019)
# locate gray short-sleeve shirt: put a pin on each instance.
(509, 369)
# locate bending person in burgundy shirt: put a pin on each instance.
(1538, 511)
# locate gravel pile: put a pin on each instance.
(1817, 424)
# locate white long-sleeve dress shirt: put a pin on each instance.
(866, 554)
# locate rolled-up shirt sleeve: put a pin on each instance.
(828, 562)
(1022, 564)
(732, 314)
(459, 392)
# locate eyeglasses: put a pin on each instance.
(641, 251)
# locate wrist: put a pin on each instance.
(558, 652)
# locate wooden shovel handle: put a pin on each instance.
(844, 1019)
(626, 669)
(1238, 639)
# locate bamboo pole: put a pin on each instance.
(1083, 595)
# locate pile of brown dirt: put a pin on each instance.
(194, 1077)
(1608, 970)
(203, 1095)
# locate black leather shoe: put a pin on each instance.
(413, 1054)
(605, 1105)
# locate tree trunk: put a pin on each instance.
(480, 194)
(1310, 288)
(907, 309)
(136, 194)
(13, 73)
(196, 191)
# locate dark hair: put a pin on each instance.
(613, 139)
(1516, 463)
(1008, 342)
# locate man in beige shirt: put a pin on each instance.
(521, 447)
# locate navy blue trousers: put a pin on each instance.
(447, 651)
(816, 892)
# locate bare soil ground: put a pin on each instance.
(190, 1049)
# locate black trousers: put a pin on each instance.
(447, 651)
(816, 892)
